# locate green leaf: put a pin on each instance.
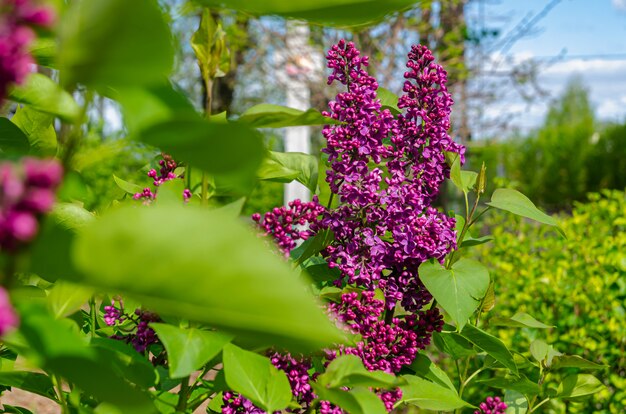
(209, 45)
(44, 95)
(238, 283)
(453, 344)
(579, 385)
(115, 42)
(10, 409)
(189, 349)
(126, 361)
(520, 384)
(50, 253)
(429, 396)
(44, 50)
(458, 290)
(229, 149)
(388, 100)
(284, 167)
(425, 368)
(491, 345)
(322, 272)
(469, 241)
(489, 301)
(312, 246)
(574, 361)
(256, 378)
(130, 188)
(59, 350)
(143, 107)
(38, 129)
(66, 298)
(276, 116)
(517, 203)
(12, 139)
(515, 402)
(519, 320)
(358, 400)
(349, 371)
(539, 350)
(341, 13)
(36, 383)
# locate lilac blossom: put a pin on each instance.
(385, 346)
(138, 331)
(27, 191)
(387, 172)
(288, 225)
(233, 403)
(17, 19)
(492, 405)
(166, 172)
(8, 318)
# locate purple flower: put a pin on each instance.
(288, 225)
(27, 191)
(167, 172)
(492, 405)
(8, 318)
(387, 172)
(16, 19)
(234, 403)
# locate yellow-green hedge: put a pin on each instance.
(577, 285)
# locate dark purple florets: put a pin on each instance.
(492, 405)
(167, 172)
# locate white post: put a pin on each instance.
(298, 68)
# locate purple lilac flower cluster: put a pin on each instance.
(167, 172)
(387, 172)
(8, 318)
(233, 403)
(492, 405)
(385, 345)
(288, 225)
(27, 191)
(139, 334)
(17, 17)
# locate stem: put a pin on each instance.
(183, 394)
(56, 381)
(330, 200)
(479, 214)
(204, 192)
(468, 380)
(93, 312)
(389, 315)
(542, 402)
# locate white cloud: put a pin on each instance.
(589, 67)
(619, 4)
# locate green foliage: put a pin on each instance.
(575, 285)
(123, 251)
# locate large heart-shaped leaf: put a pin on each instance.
(214, 269)
(12, 139)
(288, 166)
(189, 349)
(579, 385)
(39, 130)
(459, 289)
(256, 378)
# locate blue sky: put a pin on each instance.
(591, 36)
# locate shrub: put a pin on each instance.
(579, 286)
